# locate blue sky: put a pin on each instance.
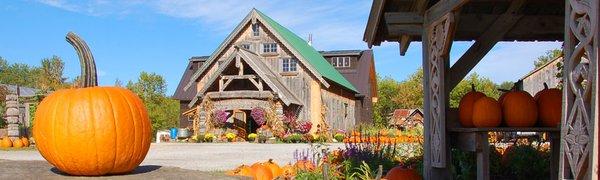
(130, 36)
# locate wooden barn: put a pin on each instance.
(406, 119)
(534, 81)
(263, 64)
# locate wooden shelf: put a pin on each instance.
(505, 129)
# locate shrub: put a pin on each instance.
(252, 136)
(339, 137)
(220, 117)
(294, 138)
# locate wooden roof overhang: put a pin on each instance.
(402, 20)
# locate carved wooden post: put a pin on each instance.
(436, 47)
(579, 133)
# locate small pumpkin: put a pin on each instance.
(549, 103)
(519, 109)
(289, 171)
(261, 172)
(242, 170)
(487, 112)
(400, 173)
(6, 142)
(304, 165)
(465, 107)
(276, 171)
(90, 130)
(25, 141)
(17, 143)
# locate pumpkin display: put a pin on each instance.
(487, 112)
(549, 103)
(400, 173)
(261, 172)
(289, 171)
(276, 171)
(6, 142)
(519, 109)
(25, 141)
(17, 143)
(242, 170)
(304, 165)
(92, 130)
(465, 107)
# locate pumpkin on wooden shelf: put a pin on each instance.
(25, 141)
(487, 112)
(401, 173)
(519, 109)
(276, 170)
(112, 125)
(549, 103)
(465, 107)
(6, 142)
(261, 172)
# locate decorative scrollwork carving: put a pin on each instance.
(581, 53)
(439, 39)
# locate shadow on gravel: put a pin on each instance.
(139, 170)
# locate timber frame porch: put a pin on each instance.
(437, 23)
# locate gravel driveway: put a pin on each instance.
(200, 156)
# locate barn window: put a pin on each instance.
(289, 65)
(340, 61)
(246, 46)
(255, 30)
(269, 47)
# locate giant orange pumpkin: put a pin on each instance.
(487, 112)
(400, 173)
(6, 142)
(92, 130)
(261, 172)
(465, 107)
(519, 109)
(549, 103)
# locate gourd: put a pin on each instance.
(90, 130)
(487, 112)
(400, 173)
(519, 109)
(549, 103)
(465, 107)
(242, 170)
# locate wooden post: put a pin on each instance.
(483, 156)
(579, 133)
(437, 40)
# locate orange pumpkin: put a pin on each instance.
(465, 107)
(6, 142)
(242, 170)
(400, 173)
(91, 130)
(17, 143)
(487, 112)
(261, 172)
(304, 165)
(289, 171)
(549, 103)
(276, 171)
(519, 109)
(25, 141)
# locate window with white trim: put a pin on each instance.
(246, 46)
(255, 30)
(340, 61)
(289, 65)
(269, 47)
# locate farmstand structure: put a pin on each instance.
(438, 23)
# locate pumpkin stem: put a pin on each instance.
(473, 87)
(88, 66)
(545, 85)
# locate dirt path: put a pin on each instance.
(43, 170)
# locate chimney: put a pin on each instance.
(310, 39)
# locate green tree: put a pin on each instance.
(544, 59)
(410, 91)
(482, 84)
(18, 74)
(51, 74)
(507, 85)
(387, 90)
(163, 111)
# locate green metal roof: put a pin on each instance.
(309, 53)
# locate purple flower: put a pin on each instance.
(258, 114)
(303, 127)
(221, 116)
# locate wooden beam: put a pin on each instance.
(442, 8)
(247, 76)
(405, 29)
(404, 43)
(240, 94)
(226, 84)
(484, 43)
(373, 22)
(403, 18)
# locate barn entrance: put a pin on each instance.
(244, 123)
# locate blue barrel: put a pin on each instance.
(173, 133)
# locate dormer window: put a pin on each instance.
(340, 61)
(255, 30)
(269, 47)
(289, 65)
(245, 46)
